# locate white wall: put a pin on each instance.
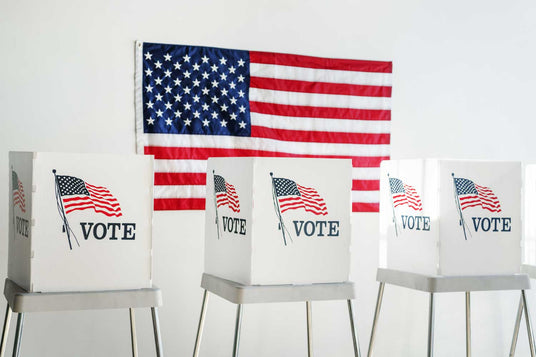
(464, 79)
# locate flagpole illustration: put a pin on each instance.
(216, 204)
(66, 227)
(278, 211)
(393, 206)
(457, 199)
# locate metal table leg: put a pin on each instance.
(133, 338)
(201, 324)
(5, 330)
(468, 324)
(355, 340)
(238, 325)
(18, 335)
(156, 328)
(376, 316)
(431, 327)
(527, 321)
(516, 327)
(309, 329)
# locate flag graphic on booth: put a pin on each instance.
(74, 194)
(224, 195)
(288, 195)
(403, 194)
(199, 102)
(469, 194)
(19, 199)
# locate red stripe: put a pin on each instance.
(318, 112)
(319, 87)
(285, 59)
(365, 185)
(365, 207)
(172, 204)
(319, 136)
(177, 178)
(188, 153)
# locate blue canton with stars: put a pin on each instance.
(195, 90)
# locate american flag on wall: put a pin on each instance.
(195, 102)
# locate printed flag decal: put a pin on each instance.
(198, 102)
(404, 194)
(18, 192)
(74, 194)
(225, 194)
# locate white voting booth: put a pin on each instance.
(278, 220)
(451, 217)
(80, 222)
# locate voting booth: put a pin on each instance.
(529, 214)
(450, 217)
(80, 222)
(278, 220)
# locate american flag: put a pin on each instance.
(404, 194)
(195, 102)
(225, 194)
(78, 195)
(472, 195)
(291, 195)
(18, 192)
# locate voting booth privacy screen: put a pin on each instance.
(278, 220)
(451, 217)
(80, 222)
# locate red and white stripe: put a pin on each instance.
(485, 199)
(18, 197)
(300, 107)
(309, 200)
(100, 200)
(229, 198)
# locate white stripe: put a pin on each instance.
(366, 196)
(319, 100)
(320, 75)
(291, 147)
(365, 173)
(321, 124)
(183, 191)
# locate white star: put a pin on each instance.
(196, 114)
(205, 59)
(150, 121)
(168, 89)
(232, 69)
(233, 100)
(223, 123)
(168, 105)
(223, 76)
(186, 74)
(206, 122)
(186, 58)
(196, 67)
(233, 116)
(241, 62)
(187, 122)
(242, 125)
(149, 88)
(157, 64)
(232, 85)
(150, 105)
(223, 108)
(167, 73)
(178, 98)
(196, 98)
(214, 115)
(158, 81)
(241, 93)
(148, 56)
(148, 72)
(177, 82)
(168, 121)
(215, 99)
(215, 83)
(177, 65)
(205, 75)
(196, 82)
(187, 106)
(242, 109)
(205, 106)
(158, 96)
(205, 91)
(187, 90)
(240, 78)
(214, 68)
(167, 57)
(159, 113)
(223, 60)
(178, 113)
(224, 91)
